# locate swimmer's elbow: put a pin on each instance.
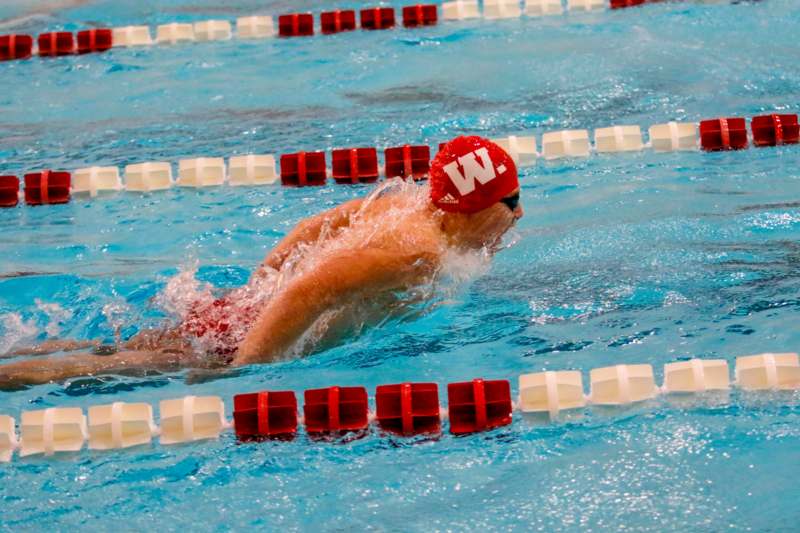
(283, 321)
(291, 313)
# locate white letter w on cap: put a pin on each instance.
(483, 172)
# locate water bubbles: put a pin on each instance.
(55, 314)
(117, 314)
(183, 291)
(16, 331)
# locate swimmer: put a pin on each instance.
(363, 254)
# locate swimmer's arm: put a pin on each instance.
(38, 371)
(291, 313)
(50, 346)
(308, 230)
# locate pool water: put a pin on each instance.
(635, 258)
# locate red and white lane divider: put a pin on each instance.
(362, 165)
(404, 409)
(62, 43)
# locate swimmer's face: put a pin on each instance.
(486, 228)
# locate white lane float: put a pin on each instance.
(622, 384)
(460, 10)
(120, 425)
(131, 36)
(256, 27)
(201, 172)
(565, 143)
(252, 170)
(95, 179)
(696, 375)
(501, 9)
(674, 136)
(768, 371)
(47, 431)
(147, 177)
(543, 8)
(618, 139)
(191, 418)
(175, 33)
(551, 392)
(585, 5)
(521, 149)
(212, 30)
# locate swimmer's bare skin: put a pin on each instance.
(309, 230)
(51, 346)
(388, 263)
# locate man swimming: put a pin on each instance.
(324, 277)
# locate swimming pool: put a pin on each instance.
(620, 259)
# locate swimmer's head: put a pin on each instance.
(475, 183)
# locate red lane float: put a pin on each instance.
(336, 409)
(265, 414)
(723, 134)
(408, 408)
(9, 191)
(15, 47)
(478, 405)
(774, 130)
(296, 25)
(621, 4)
(337, 21)
(47, 187)
(355, 165)
(420, 15)
(303, 168)
(377, 18)
(59, 43)
(98, 40)
(407, 161)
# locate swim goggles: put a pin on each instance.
(511, 201)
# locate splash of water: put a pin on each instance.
(182, 292)
(116, 313)
(56, 316)
(16, 331)
(217, 324)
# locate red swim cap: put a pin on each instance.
(470, 174)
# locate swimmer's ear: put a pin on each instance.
(205, 375)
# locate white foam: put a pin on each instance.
(56, 316)
(184, 294)
(16, 331)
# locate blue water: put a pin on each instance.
(620, 259)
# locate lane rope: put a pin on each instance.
(61, 43)
(405, 409)
(358, 165)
